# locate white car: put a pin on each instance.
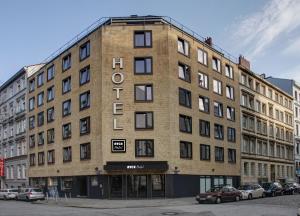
(7, 194)
(250, 191)
(31, 194)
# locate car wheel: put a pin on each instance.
(218, 200)
(27, 199)
(273, 194)
(250, 196)
(4, 197)
(237, 198)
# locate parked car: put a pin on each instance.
(273, 188)
(296, 186)
(7, 194)
(219, 194)
(288, 189)
(31, 194)
(250, 191)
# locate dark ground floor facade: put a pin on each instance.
(124, 180)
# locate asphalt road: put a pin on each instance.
(277, 206)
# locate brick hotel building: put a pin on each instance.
(136, 108)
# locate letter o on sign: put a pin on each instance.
(117, 78)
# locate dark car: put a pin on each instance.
(273, 189)
(219, 194)
(288, 189)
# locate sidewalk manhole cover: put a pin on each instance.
(170, 213)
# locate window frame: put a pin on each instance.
(88, 69)
(62, 62)
(62, 85)
(70, 110)
(205, 152)
(146, 121)
(88, 50)
(52, 77)
(187, 97)
(88, 96)
(63, 133)
(144, 58)
(88, 144)
(70, 158)
(145, 140)
(219, 148)
(145, 40)
(88, 119)
(190, 119)
(146, 85)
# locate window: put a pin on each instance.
(229, 71)
(50, 114)
(50, 73)
(231, 134)
(186, 150)
(41, 138)
(85, 126)
(203, 80)
(31, 104)
(143, 65)
(32, 159)
(50, 136)
(66, 131)
(85, 151)
(67, 154)
(84, 51)
(144, 120)
(218, 109)
(66, 107)
(204, 104)
(230, 92)
(84, 100)
(219, 132)
(66, 85)
(185, 98)
(84, 75)
(204, 127)
(51, 157)
(231, 155)
(40, 99)
(183, 46)
(202, 56)
(144, 148)
(216, 64)
(31, 122)
(31, 141)
(40, 79)
(41, 158)
(204, 152)
(230, 113)
(50, 93)
(184, 72)
(143, 92)
(40, 119)
(219, 153)
(142, 39)
(217, 86)
(31, 85)
(185, 124)
(66, 62)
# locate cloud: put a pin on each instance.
(291, 73)
(258, 31)
(293, 47)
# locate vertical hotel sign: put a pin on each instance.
(1, 167)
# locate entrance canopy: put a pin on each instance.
(112, 166)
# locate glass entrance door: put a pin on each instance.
(116, 186)
(137, 186)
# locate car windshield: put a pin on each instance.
(245, 187)
(216, 189)
(36, 190)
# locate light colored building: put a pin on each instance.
(292, 88)
(267, 129)
(139, 107)
(13, 146)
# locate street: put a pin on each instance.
(276, 206)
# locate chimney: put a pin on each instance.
(263, 76)
(244, 62)
(208, 41)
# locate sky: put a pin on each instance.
(266, 32)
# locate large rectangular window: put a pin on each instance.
(84, 100)
(31, 104)
(203, 80)
(66, 85)
(51, 157)
(204, 104)
(142, 39)
(144, 120)
(230, 113)
(184, 72)
(229, 71)
(204, 127)
(85, 151)
(230, 92)
(31, 85)
(185, 123)
(40, 79)
(219, 131)
(84, 75)
(66, 131)
(185, 98)
(219, 153)
(41, 158)
(85, 126)
(31, 122)
(50, 136)
(204, 152)
(66, 62)
(216, 64)
(84, 51)
(66, 107)
(50, 73)
(217, 86)
(144, 148)
(31, 141)
(218, 109)
(202, 56)
(40, 99)
(50, 114)
(40, 119)
(231, 135)
(231, 155)
(143, 65)
(143, 92)
(32, 159)
(67, 154)
(41, 139)
(186, 150)
(50, 93)
(183, 46)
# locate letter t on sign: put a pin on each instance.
(118, 61)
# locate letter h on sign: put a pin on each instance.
(118, 61)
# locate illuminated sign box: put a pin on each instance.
(118, 145)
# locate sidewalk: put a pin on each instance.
(117, 204)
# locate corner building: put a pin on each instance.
(136, 108)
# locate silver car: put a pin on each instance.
(7, 194)
(250, 191)
(31, 194)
